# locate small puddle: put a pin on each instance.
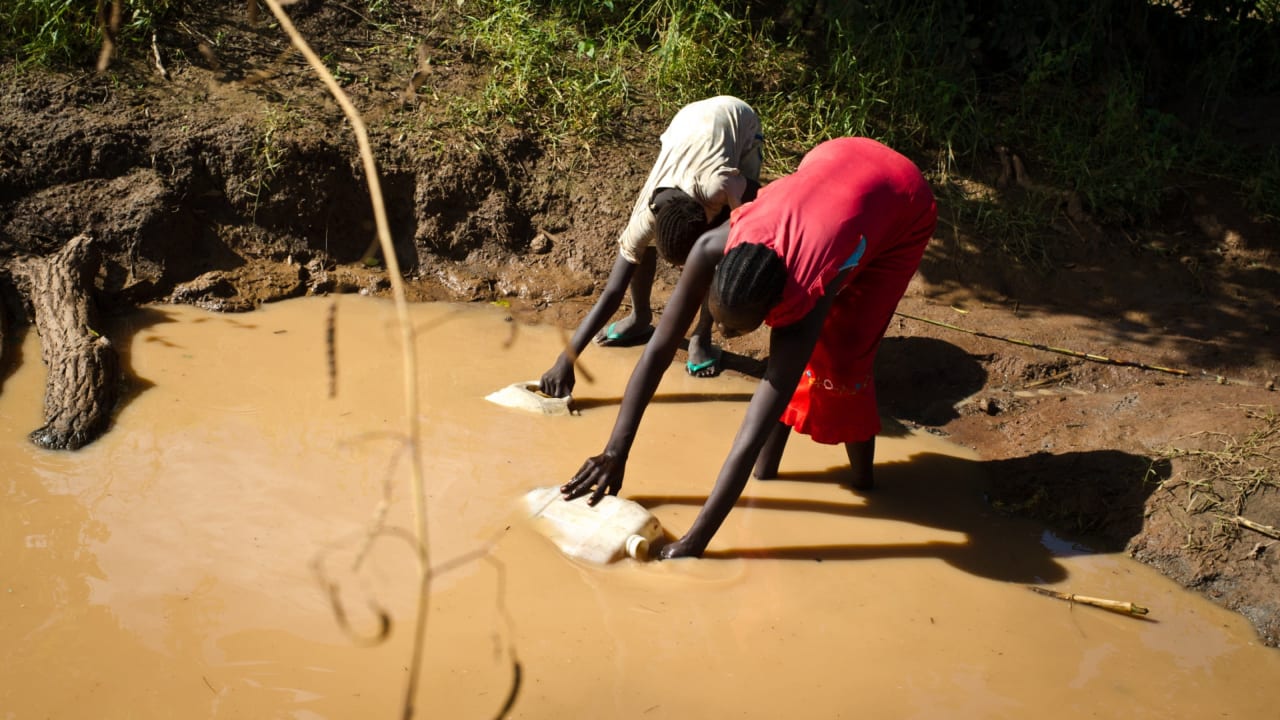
(170, 568)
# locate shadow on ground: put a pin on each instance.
(975, 498)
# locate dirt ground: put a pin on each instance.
(1124, 395)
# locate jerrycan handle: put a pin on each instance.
(638, 547)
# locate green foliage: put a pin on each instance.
(547, 73)
(1018, 230)
(1117, 155)
(49, 31)
(66, 32)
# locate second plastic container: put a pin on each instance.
(612, 529)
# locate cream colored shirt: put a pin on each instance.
(709, 150)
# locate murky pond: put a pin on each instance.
(171, 568)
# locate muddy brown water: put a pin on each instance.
(170, 568)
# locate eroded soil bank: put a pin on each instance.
(226, 189)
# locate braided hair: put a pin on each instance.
(749, 281)
(680, 221)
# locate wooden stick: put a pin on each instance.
(1040, 346)
(1254, 526)
(1075, 353)
(155, 54)
(1124, 608)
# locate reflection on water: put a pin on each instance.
(167, 569)
(1061, 548)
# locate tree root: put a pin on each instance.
(82, 386)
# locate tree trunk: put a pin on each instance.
(82, 386)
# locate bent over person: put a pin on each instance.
(709, 163)
(822, 256)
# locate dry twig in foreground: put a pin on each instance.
(1124, 608)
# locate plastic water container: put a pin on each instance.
(526, 396)
(599, 534)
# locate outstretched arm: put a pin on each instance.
(789, 350)
(603, 473)
(560, 379)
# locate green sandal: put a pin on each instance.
(611, 336)
(697, 369)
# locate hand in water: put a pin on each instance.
(558, 381)
(684, 547)
(598, 475)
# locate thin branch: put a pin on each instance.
(109, 27)
(155, 55)
(1254, 526)
(408, 344)
(1074, 353)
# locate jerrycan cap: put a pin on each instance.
(638, 547)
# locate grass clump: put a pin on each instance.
(548, 73)
(64, 33)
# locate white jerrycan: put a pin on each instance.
(526, 396)
(614, 527)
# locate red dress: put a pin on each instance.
(852, 201)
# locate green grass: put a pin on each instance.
(63, 33)
(48, 32)
(548, 74)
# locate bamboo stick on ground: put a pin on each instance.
(1254, 526)
(1124, 608)
(1075, 353)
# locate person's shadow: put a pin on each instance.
(920, 380)
(949, 493)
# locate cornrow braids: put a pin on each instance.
(749, 279)
(680, 221)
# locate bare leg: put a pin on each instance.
(862, 457)
(704, 358)
(636, 327)
(771, 454)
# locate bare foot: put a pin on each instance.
(860, 481)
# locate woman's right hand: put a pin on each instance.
(559, 380)
(598, 475)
